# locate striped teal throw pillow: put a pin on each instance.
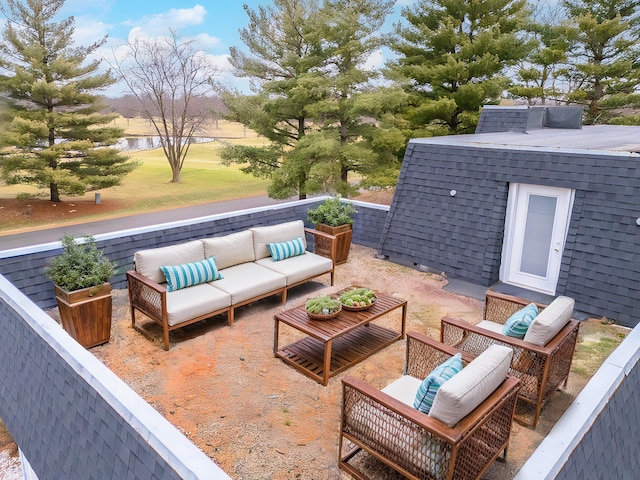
(292, 248)
(182, 276)
(428, 388)
(517, 324)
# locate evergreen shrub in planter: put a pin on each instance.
(335, 216)
(83, 293)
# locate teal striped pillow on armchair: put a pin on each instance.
(517, 324)
(429, 387)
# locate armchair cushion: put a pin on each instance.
(430, 386)
(491, 326)
(403, 389)
(459, 396)
(550, 321)
(517, 324)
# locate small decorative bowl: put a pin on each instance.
(324, 307)
(322, 316)
(358, 308)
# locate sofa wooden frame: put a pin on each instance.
(150, 298)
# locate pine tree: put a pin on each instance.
(452, 58)
(605, 53)
(536, 78)
(357, 131)
(314, 99)
(278, 65)
(59, 137)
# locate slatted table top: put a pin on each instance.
(345, 322)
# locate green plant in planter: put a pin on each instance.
(81, 265)
(332, 212)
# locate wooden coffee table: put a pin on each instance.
(333, 345)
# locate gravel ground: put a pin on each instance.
(261, 419)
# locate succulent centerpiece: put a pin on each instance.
(359, 298)
(323, 307)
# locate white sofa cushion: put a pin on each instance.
(249, 280)
(550, 321)
(299, 268)
(192, 302)
(274, 234)
(230, 250)
(403, 389)
(460, 395)
(148, 262)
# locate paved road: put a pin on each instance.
(38, 237)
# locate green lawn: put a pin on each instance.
(203, 179)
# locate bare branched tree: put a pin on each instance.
(169, 77)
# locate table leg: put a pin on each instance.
(276, 329)
(327, 362)
(404, 319)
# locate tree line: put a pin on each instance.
(334, 121)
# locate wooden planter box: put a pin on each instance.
(343, 239)
(86, 313)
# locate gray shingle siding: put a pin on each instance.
(597, 436)
(463, 235)
(60, 411)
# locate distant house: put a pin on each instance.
(532, 199)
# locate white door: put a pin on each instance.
(535, 234)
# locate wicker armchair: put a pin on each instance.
(541, 369)
(376, 425)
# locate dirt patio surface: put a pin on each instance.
(259, 418)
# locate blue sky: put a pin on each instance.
(214, 24)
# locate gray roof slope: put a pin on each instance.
(610, 139)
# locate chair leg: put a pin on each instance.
(503, 458)
(165, 338)
(133, 316)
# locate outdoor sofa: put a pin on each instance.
(180, 284)
(464, 431)
(541, 359)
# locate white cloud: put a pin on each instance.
(206, 41)
(174, 18)
(89, 30)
